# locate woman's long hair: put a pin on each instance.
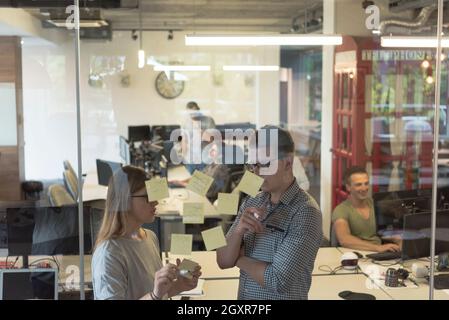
(125, 182)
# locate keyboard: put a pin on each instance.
(388, 255)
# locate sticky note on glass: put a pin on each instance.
(181, 244)
(214, 238)
(200, 183)
(193, 212)
(187, 267)
(157, 189)
(228, 203)
(250, 183)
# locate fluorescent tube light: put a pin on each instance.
(141, 56)
(181, 68)
(263, 40)
(251, 68)
(413, 42)
(83, 23)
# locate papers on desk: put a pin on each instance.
(181, 244)
(250, 184)
(214, 238)
(193, 212)
(197, 291)
(157, 189)
(200, 183)
(228, 203)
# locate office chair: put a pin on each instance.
(334, 239)
(59, 196)
(68, 166)
(71, 183)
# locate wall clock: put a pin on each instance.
(168, 88)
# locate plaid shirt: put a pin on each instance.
(289, 245)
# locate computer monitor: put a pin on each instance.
(390, 207)
(46, 231)
(125, 153)
(416, 234)
(25, 284)
(164, 131)
(139, 133)
(105, 170)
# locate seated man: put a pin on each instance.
(215, 169)
(353, 220)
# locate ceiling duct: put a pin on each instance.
(407, 25)
(399, 6)
(89, 18)
(105, 4)
(308, 21)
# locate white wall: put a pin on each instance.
(49, 101)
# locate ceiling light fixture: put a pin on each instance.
(251, 68)
(413, 42)
(141, 53)
(181, 68)
(83, 23)
(263, 40)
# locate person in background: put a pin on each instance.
(275, 237)
(354, 221)
(126, 262)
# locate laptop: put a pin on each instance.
(28, 284)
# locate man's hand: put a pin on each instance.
(388, 247)
(250, 221)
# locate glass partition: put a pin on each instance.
(179, 112)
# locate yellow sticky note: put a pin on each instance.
(193, 212)
(214, 238)
(200, 183)
(181, 244)
(228, 203)
(250, 183)
(157, 189)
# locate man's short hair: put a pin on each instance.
(192, 105)
(352, 170)
(285, 141)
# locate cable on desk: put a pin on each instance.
(399, 261)
(333, 271)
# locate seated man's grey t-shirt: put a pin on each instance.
(124, 269)
(364, 229)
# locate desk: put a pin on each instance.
(91, 189)
(209, 266)
(170, 206)
(174, 204)
(227, 290)
(328, 287)
(328, 257)
(421, 292)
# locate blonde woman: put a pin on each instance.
(126, 263)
